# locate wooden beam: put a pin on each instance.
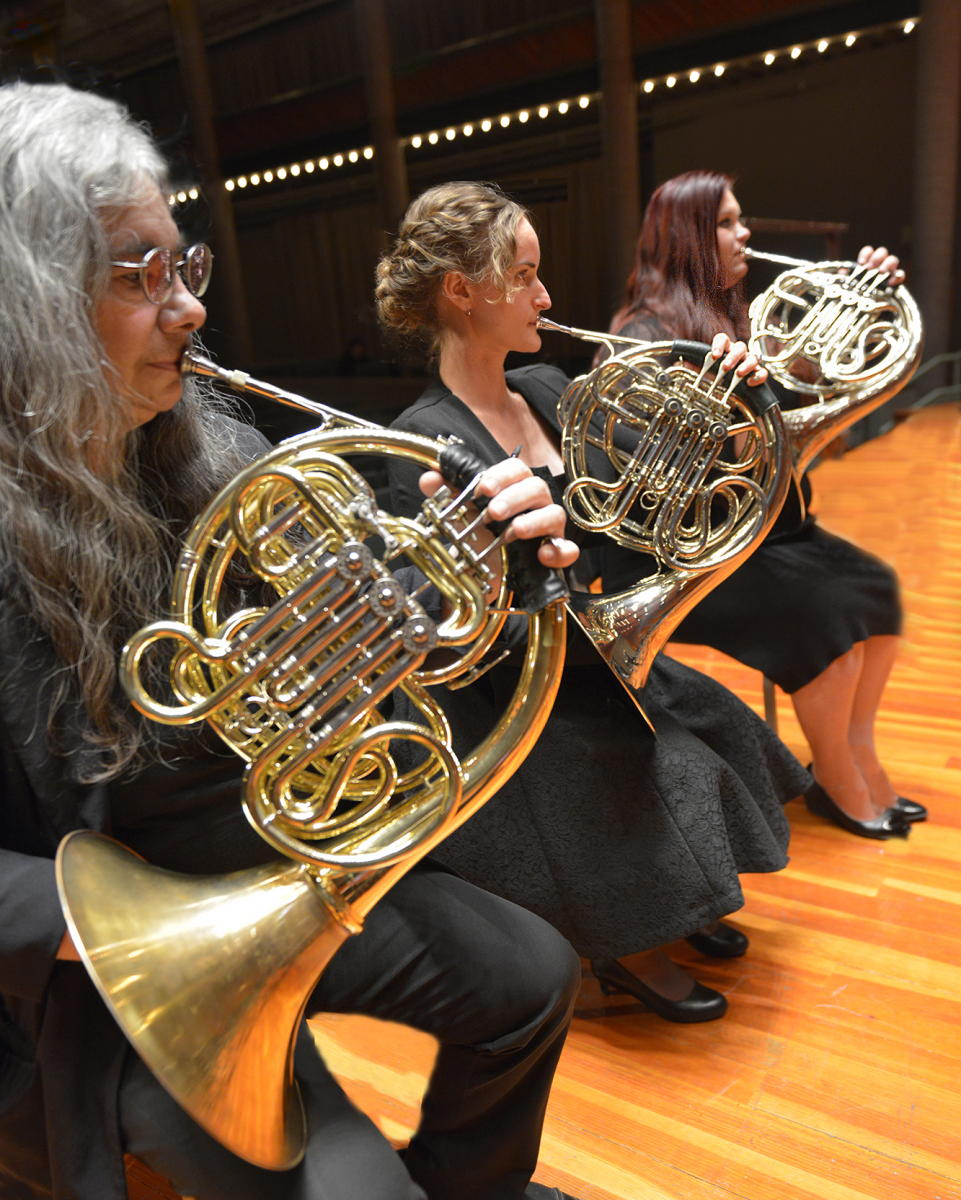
(227, 283)
(620, 168)
(937, 132)
(374, 41)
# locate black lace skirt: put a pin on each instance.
(621, 840)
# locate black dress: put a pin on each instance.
(803, 598)
(622, 840)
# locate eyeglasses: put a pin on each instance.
(157, 268)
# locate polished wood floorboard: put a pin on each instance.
(836, 1073)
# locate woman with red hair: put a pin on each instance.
(818, 615)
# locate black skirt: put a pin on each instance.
(799, 602)
(621, 840)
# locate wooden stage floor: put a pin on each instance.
(835, 1074)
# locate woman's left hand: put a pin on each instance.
(879, 258)
(516, 493)
(736, 355)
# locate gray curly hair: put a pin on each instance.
(88, 556)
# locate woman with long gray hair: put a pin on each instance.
(106, 456)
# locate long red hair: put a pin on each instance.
(677, 275)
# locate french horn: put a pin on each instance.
(209, 976)
(837, 331)
(695, 469)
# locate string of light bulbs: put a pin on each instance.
(523, 116)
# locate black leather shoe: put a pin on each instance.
(911, 809)
(724, 942)
(891, 823)
(703, 1004)
(540, 1191)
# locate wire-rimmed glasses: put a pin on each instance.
(158, 265)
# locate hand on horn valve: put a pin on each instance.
(516, 493)
(737, 355)
(879, 258)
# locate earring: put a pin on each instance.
(470, 312)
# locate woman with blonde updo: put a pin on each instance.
(624, 841)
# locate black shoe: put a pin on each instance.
(891, 823)
(911, 809)
(724, 942)
(703, 1004)
(540, 1191)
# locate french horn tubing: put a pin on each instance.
(837, 331)
(209, 976)
(697, 467)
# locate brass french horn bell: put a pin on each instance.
(839, 332)
(209, 976)
(694, 468)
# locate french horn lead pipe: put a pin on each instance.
(610, 340)
(778, 258)
(195, 364)
(786, 261)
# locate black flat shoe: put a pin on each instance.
(891, 823)
(724, 942)
(540, 1191)
(703, 1004)
(911, 809)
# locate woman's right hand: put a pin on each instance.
(879, 259)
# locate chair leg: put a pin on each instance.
(770, 703)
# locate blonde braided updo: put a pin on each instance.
(465, 227)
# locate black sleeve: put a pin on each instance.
(32, 924)
(31, 921)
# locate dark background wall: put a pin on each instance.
(829, 137)
(828, 142)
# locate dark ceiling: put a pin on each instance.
(286, 74)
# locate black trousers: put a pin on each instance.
(492, 982)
